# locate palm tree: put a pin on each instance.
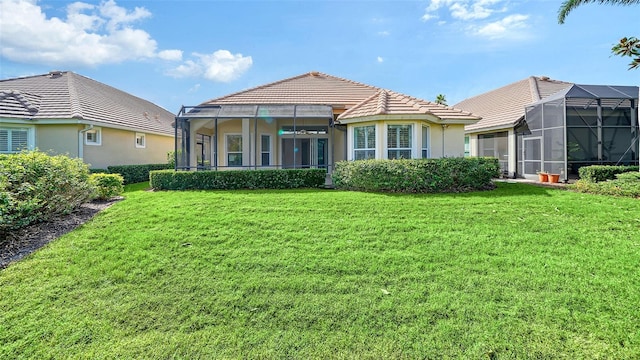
(626, 46)
(568, 5)
(441, 99)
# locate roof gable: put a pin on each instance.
(64, 95)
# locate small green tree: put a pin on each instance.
(441, 99)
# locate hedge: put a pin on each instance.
(136, 173)
(417, 176)
(237, 179)
(35, 187)
(597, 173)
(107, 185)
(625, 184)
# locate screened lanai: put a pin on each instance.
(245, 136)
(579, 126)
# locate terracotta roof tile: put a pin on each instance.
(67, 95)
(504, 106)
(386, 102)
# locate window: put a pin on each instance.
(399, 141)
(93, 137)
(13, 140)
(364, 142)
(234, 150)
(265, 150)
(467, 147)
(141, 140)
(425, 142)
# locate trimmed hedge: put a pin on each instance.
(35, 187)
(417, 176)
(237, 179)
(136, 173)
(107, 185)
(597, 173)
(625, 184)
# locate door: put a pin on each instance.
(305, 152)
(532, 155)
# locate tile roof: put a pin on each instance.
(386, 102)
(359, 99)
(503, 107)
(309, 88)
(64, 95)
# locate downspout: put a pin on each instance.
(81, 140)
(444, 126)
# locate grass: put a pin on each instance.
(519, 272)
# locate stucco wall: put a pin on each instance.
(119, 148)
(58, 139)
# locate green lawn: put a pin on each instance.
(519, 272)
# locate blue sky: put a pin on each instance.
(185, 52)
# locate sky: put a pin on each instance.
(185, 52)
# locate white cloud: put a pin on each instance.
(380, 59)
(463, 9)
(507, 27)
(170, 55)
(194, 89)
(384, 33)
(220, 66)
(90, 34)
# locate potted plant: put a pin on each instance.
(543, 176)
(554, 178)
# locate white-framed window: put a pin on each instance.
(93, 137)
(14, 140)
(265, 149)
(399, 141)
(425, 142)
(234, 149)
(364, 142)
(467, 146)
(141, 140)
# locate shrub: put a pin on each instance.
(237, 179)
(417, 176)
(625, 184)
(98, 171)
(35, 187)
(107, 185)
(597, 173)
(136, 173)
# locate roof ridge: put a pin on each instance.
(533, 87)
(19, 95)
(383, 101)
(74, 99)
(310, 73)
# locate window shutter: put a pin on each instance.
(4, 140)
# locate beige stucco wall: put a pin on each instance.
(119, 148)
(58, 139)
(453, 138)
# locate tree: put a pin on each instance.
(626, 46)
(441, 99)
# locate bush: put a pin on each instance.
(625, 184)
(98, 171)
(107, 185)
(417, 176)
(597, 173)
(136, 173)
(237, 179)
(35, 187)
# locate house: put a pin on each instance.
(315, 120)
(539, 124)
(65, 113)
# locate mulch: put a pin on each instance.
(23, 242)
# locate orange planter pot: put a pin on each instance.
(554, 178)
(543, 177)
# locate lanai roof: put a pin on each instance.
(64, 95)
(503, 107)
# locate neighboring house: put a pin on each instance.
(65, 113)
(539, 124)
(315, 120)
